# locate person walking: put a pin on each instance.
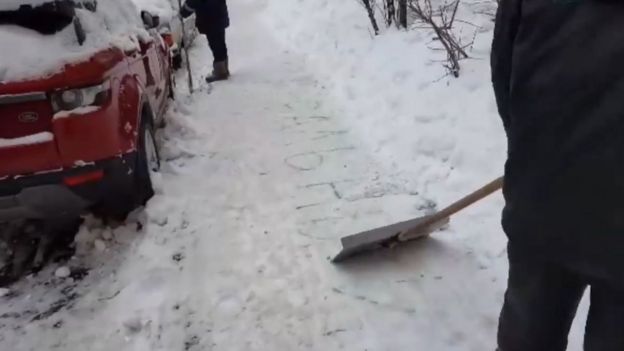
(559, 86)
(212, 19)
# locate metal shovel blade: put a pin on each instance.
(387, 237)
(411, 230)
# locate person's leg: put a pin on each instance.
(216, 41)
(605, 321)
(540, 305)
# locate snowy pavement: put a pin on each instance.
(262, 176)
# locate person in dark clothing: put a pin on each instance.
(560, 93)
(212, 19)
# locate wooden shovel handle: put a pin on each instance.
(447, 212)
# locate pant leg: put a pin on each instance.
(540, 305)
(604, 330)
(216, 41)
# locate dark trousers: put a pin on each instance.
(541, 302)
(216, 41)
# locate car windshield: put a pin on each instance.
(46, 18)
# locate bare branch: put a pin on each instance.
(441, 22)
(371, 15)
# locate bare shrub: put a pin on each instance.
(441, 20)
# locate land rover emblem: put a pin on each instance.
(28, 117)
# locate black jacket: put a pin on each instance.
(559, 84)
(211, 15)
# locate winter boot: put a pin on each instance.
(220, 71)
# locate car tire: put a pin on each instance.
(171, 88)
(137, 189)
(147, 163)
(176, 61)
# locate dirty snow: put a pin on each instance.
(38, 138)
(322, 131)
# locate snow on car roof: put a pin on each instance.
(29, 54)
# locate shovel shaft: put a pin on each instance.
(186, 53)
(429, 223)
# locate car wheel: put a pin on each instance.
(176, 61)
(148, 164)
(170, 87)
(134, 190)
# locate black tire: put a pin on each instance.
(170, 89)
(138, 189)
(147, 161)
(176, 61)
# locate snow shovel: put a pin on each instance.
(186, 52)
(392, 235)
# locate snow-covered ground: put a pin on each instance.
(322, 131)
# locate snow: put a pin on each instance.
(4, 292)
(38, 138)
(162, 8)
(24, 61)
(115, 24)
(62, 272)
(322, 131)
(84, 110)
(107, 235)
(100, 245)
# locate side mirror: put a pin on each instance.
(150, 21)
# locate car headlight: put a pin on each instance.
(68, 100)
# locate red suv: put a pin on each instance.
(83, 84)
